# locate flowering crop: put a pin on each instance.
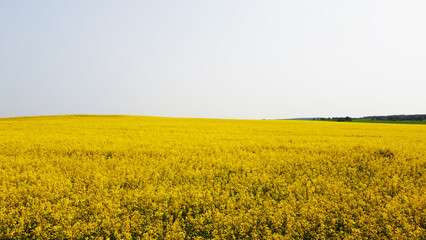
(127, 177)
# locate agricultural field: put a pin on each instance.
(129, 177)
(396, 122)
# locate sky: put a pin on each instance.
(213, 59)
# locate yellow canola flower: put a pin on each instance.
(128, 177)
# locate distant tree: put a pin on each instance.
(343, 119)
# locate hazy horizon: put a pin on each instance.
(218, 59)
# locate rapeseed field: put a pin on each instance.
(128, 177)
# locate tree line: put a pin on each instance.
(414, 117)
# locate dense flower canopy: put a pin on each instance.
(167, 178)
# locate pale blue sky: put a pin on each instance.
(220, 59)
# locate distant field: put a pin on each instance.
(377, 121)
(128, 177)
(398, 122)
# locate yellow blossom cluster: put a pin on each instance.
(129, 177)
